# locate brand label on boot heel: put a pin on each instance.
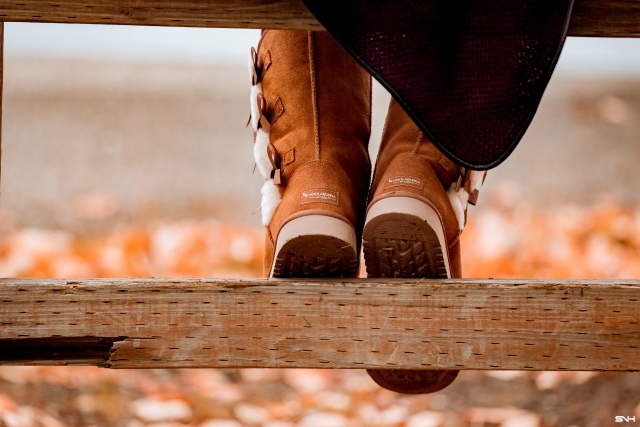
(404, 180)
(319, 195)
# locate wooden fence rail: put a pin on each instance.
(602, 18)
(360, 323)
(365, 323)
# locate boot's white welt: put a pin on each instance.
(315, 246)
(404, 237)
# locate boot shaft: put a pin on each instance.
(401, 137)
(317, 101)
(311, 112)
(410, 166)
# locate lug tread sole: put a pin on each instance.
(315, 256)
(399, 245)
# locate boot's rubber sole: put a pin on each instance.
(403, 238)
(316, 246)
(409, 381)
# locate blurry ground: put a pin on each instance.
(145, 140)
(114, 169)
(80, 396)
(151, 140)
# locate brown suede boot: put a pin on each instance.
(310, 110)
(417, 210)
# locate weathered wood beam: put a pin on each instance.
(360, 323)
(605, 18)
(601, 18)
(184, 13)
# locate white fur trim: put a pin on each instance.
(270, 191)
(261, 155)
(459, 199)
(476, 179)
(253, 98)
(270, 200)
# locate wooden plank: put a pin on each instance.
(359, 323)
(605, 18)
(600, 18)
(189, 13)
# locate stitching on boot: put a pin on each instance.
(278, 109)
(314, 95)
(455, 240)
(289, 157)
(270, 236)
(446, 163)
(418, 142)
(267, 62)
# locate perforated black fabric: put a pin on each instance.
(470, 73)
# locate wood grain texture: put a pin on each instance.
(189, 13)
(601, 18)
(362, 323)
(605, 18)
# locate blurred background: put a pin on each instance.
(125, 153)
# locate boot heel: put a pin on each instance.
(316, 246)
(404, 237)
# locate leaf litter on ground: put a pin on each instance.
(502, 240)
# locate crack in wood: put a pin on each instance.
(97, 350)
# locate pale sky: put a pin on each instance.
(610, 56)
(125, 42)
